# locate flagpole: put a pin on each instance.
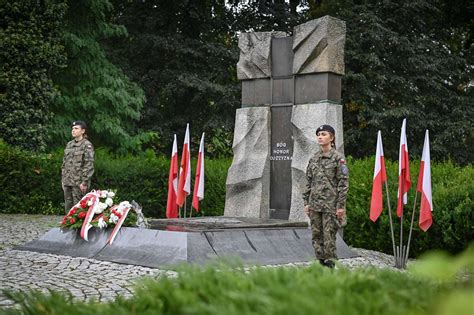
(179, 212)
(191, 212)
(185, 206)
(401, 222)
(391, 224)
(397, 257)
(411, 226)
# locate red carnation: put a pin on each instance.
(72, 211)
(81, 215)
(83, 203)
(72, 220)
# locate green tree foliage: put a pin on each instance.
(183, 54)
(402, 61)
(92, 88)
(29, 49)
(268, 15)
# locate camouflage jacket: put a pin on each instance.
(78, 163)
(327, 182)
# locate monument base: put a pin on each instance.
(193, 240)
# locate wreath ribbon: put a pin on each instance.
(125, 207)
(94, 196)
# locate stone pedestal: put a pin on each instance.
(248, 178)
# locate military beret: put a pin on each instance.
(326, 128)
(79, 123)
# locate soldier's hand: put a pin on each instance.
(340, 213)
(306, 210)
(83, 188)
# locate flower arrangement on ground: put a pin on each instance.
(97, 209)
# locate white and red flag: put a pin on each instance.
(184, 183)
(198, 193)
(404, 181)
(171, 205)
(424, 187)
(380, 176)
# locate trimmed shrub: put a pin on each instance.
(30, 183)
(144, 179)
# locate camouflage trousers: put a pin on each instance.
(72, 195)
(324, 226)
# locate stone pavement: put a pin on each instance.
(83, 278)
(87, 278)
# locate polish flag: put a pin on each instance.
(198, 193)
(171, 206)
(403, 171)
(424, 187)
(184, 183)
(380, 176)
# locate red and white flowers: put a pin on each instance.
(97, 209)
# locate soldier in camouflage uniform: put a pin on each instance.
(325, 195)
(78, 166)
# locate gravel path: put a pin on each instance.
(103, 281)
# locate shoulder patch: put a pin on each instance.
(344, 169)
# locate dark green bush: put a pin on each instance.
(31, 184)
(145, 179)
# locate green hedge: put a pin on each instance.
(31, 184)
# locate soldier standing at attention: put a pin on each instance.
(78, 166)
(325, 195)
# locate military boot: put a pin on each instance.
(329, 263)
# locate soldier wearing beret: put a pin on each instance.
(78, 166)
(325, 195)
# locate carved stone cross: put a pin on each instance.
(290, 86)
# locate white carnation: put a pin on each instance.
(109, 202)
(113, 218)
(89, 203)
(98, 210)
(101, 224)
(111, 194)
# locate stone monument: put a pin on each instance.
(290, 86)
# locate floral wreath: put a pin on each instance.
(97, 209)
